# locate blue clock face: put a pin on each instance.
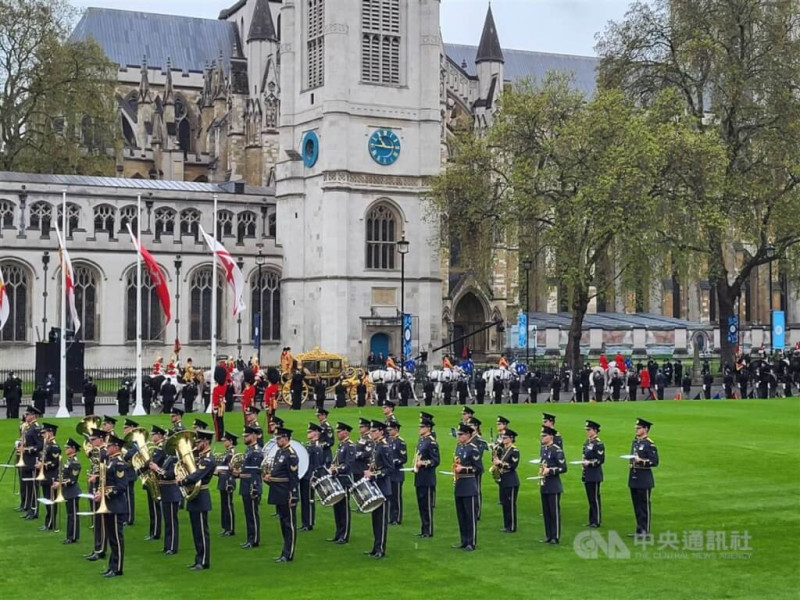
(384, 146)
(309, 149)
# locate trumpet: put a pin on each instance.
(456, 462)
(60, 496)
(21, 445)
(102, 509)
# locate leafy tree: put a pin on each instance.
(730, 71)
(57, 112)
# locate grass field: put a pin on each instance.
(729, 467)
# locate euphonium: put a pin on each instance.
(60, 496)
(141, 459)
(237, 462)
(22, 430)
(102, 509)
(181, 444)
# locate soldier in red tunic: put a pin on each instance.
(218, 401)
(157, 366)
(249, 392)
(271, 396)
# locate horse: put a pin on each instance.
(392, 377)
(453, 375)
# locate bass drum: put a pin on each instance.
(271, 449)
(368, 495)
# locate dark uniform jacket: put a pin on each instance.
(429, 388)
(428, 455)
(483, 446)
(382, 466)
(315, 458)
(319, 390)
(116, 485)
(326, 442)
(283, 478)
(400, 457)
(469, 457)
(251, 473)
(71, 483)
(166, 480)
(553, 459)
(640, 475)
(594, 451)
(509, 461)
(33, 445)
(343, 463)
(202, 477)
(130, 472)
(52, 453)
(226, 482)
(362, 456)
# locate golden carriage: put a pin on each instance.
(326, 366)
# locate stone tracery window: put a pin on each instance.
(17, 288)
(190, 223)
(381, 237)
(201, 287)
(152, 316)
(269, 299)
(7, 209)
(165, 222)
(40, 218)
(245, 226)
(104, 216)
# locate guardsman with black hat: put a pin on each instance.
(380, 470)
(249, 392)
(363, 449)
(250, 486)
(388, 412)
(199, 506)
(51, 458)
(552, 465)
(31, 449)
(640, 477)
(71, 489)
(325, 436)
(594, 455)
(116, 486)
(320, 389)
(157, 457)
(175, 418)
(465, 468)
(97, 438)
(506, 463)
(426, 459)
(130, 472)
(283, 480)
(549, 420)
(308, 513)
(342, 467)
(226, 484)
(400, 456)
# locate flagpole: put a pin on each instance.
(139, 408)
(214, 284)
(62, 380)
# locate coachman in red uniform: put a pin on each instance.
(218, 401)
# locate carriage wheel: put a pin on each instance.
(306, 393)
(352, 394)
(286, 393)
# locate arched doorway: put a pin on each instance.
(469, 316)
(379, 344)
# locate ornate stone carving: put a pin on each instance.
(336, 28)
(373, 179)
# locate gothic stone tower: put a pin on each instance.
(359, 134)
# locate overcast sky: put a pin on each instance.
(566, 26)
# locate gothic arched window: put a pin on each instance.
(40, 217)
(127, 215)
(190, 223)
(269, 301)
(201, 287)
(73, 217)
(152, 317)
(17, 287)
(165, 222)
(245, 226)
(86, 301)
(380, 41)
(381, 237)
(104, 216)
(272, 224)
(224, 224)
(7, 214)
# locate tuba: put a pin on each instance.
(181, 444)
(141, 459)
(84, 427)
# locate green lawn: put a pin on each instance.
(729, 467)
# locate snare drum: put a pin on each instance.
(328, 489)
(368, 495)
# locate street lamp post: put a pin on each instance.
(240, 264)
(45, 262)
(770, 256)
(178, 265)
(526, 264)
(402, 249)
(259, 322)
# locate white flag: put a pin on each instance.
(5, 308)
(233, 274)
(66, 264)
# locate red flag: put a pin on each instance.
(156, 276)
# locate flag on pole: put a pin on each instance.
(156, 276)
(69, 277)
(5, 309)
(233, 274)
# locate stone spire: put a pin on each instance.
(169, 90)
(489, 49)
(262, 28)
(145, 96)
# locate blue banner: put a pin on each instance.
(406, 335)
(733, 330)
(778, 330)
(522, 328)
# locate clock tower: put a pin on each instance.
(360, 133)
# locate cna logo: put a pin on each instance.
(593, 544)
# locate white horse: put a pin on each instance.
(392, 377)
(450, 375)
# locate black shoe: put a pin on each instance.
(246, 545)
(378, 555)
(553, 542)
(469, 549)
(169, 552)
(393, 523)
(458, 546)
(504, 530)
(196, 568)
(106, 572)
(333, 539)
(426, 535)
(19, 509)
(370, 553)
(68, 542)
(94, 557)
(112, 574)
(281, 559)
(305, 528)
(341, 541)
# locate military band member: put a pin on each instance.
(250, 486)
(226, 484)
(157, 456)
(388, 412)
(325, 436)
(130, 472)
(342, 467)
(482, 446)
(97, 438)
(426, 461)
(549, 420)
(109, 423)
(640, 477)
(466, 414)
(51, 456)
(282, 480)
(116, 486)
(175, 417)
(363, 449)
(315, 461)
(199, 506)
(594, 455)
(506, 463)
(199, 424)
(400, 456)
(163, 465)
(71, 489)
(381, 469)
(466, 465)
(552, 465)
(251, 420)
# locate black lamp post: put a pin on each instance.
(527, 264)
(259, 323)
(240, 264)
(402, 249)
(770, 255)
(45, 262)
(178, 265)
